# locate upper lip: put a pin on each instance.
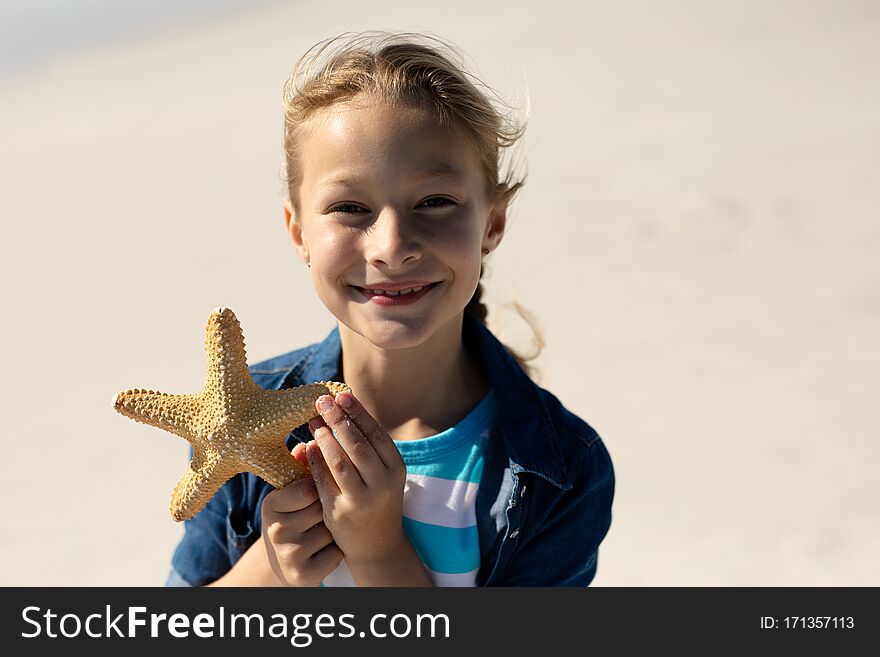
(395, 287)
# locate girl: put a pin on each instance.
(392, 158)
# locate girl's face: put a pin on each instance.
(390, 200)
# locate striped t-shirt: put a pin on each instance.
(442, 475)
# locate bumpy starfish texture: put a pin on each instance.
(233, 424)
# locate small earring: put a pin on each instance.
(309, 265)
(485, 251)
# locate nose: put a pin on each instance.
(392, 240)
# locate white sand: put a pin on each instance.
(698, 237)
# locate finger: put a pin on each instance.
(328, 559)
(382, 443)
(337, 462)
(316, 423)
(295, 496)
(315, 539)
(324, 481)
(347, 432)
(311, 516)
(291, 527)
(299, 453)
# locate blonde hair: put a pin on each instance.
(415, 70)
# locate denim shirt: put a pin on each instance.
(544, 501)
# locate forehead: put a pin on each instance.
(371, 138)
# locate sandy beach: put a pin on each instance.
(698, 239)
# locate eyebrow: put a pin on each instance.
(434, 170)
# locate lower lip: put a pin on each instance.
(400, 300)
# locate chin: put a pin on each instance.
(392, 334)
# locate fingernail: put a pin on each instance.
(324, 403)
(344, 400)
(314, 423)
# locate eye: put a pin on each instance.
(347, 208)
(443, 202)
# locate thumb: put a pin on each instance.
(299, 453)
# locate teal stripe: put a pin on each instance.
(455, 453)
(469, 467)
(452, 440)
(444, 549)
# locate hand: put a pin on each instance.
(360, 477)
(301, 550)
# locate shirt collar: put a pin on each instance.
(526, 425)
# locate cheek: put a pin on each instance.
(460, 246)
(330, 248)
(459, 234)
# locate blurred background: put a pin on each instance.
(697, 238)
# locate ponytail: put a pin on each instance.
(480, 311)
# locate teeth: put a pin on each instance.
(389, 293)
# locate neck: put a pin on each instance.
(418, 391)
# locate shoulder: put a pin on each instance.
(573, 427)
(583, 450)
(272, 372)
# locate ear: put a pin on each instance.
(495, 226)
(295, 230)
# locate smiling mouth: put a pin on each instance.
(396, 298)
(396, 293)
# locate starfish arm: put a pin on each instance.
(225, 355)
(178, 414)
(277, 466)
(334, 387)
(207, 472)
(275, 413)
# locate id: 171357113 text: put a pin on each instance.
(808, 623)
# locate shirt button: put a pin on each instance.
(514, 500)
(514, 533)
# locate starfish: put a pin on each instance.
(233, 424)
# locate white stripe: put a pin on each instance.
(340, 577)
(454, 579)
(435, 501)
